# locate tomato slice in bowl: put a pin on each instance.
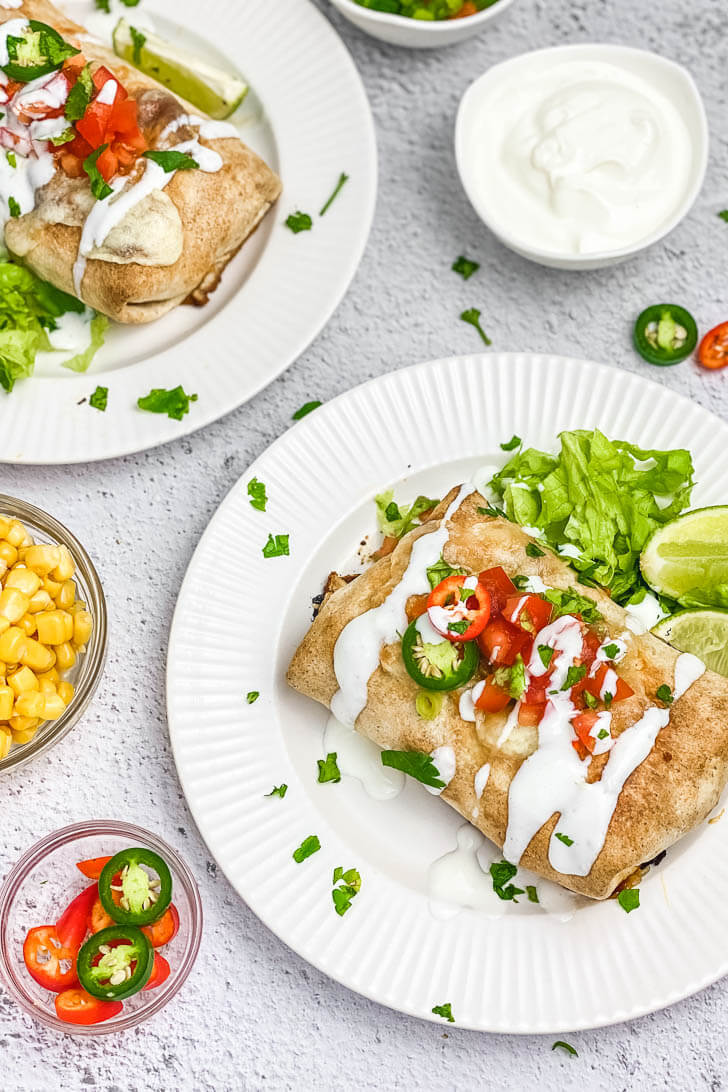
(78, 1007)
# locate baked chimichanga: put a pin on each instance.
(131, 234)
(579, 746)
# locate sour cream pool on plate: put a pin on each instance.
(578, 155)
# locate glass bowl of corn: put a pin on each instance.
(53, 631)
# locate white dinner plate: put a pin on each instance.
(238, 620)
(307, 114)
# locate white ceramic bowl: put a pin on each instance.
(673, 80)
(414, 33)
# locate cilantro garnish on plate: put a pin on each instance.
(445, 1011)
(175, 403)
(100, 188)
(465, 267)
(299, 221)
(343, 179)
(565, 839)
(252, 696)
(502, 872)
(664, 694)
(328, 769)
(278, 790)
(611, 651)
(472, 316)
(99, 399)
(346, 886)
(257, 494)
(629, 899)
(512, 444)
(415, 764)
(276, 546)
(724, 215)
(561, 1045)
(307, 847)
(305, 409)
(171, 160)
(531, 892)
(14, 208)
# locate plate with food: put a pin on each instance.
(447, 694)
(167, 193)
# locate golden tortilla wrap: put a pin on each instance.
(668, 793)
(172, 245)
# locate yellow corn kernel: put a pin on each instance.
(12, 643)
(65, 568)
(7, 700)
(67, 595)
(36, 656)
(53, 629)
(16, 534)
(8, 553)
(42, 559)
(4, 624)
(65, 657)
(28, 624)
(30, 704)
(66, 690)
(25, 733)
(6, 741)
(13, 604)
(40, 601)
(49, 676)
(46, 686)
(4, 526)
(83, 625)
(53, 706)
(22, 680)
(24, 579)
(52, 587)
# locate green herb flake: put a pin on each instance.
(546, 654)
(252, 696)
(14, 208)
(520, 582)
(574, 675)
(611, 651)
(103, 5)
(590, 700)
(307, 848)
(629, 899)
(532, 550)
(278, 790)
(10, 156)
(491, 510)
(79, 97)
(99, 399)
(299, 221)
(465, 267)
(99, 186)
(257, 494)
(276, 546)
(138, 39)
(472, 316)
(328, 769)
(561, 1045)
(602, 733)
(175, 403)
(531, 892)
(565, 839)
(172, 160)
(415, 764)
(306, 408)
(664, 694)
(445, 1011)
(608, 699)
(501, 872)
(343, 179)
(349, 886)
(724, 215)
(512, 444)
(458, 627)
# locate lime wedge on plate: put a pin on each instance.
(702, 632)
(687, 559)
(210, 89)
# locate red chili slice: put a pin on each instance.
(455, 617)
(713, 349)
(72, 925)
(52, 965)
(78, 1007)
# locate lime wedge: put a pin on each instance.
(702, 632)
(687, 559)
(210, 89)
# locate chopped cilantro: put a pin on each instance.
(278, 790)
(531, 892)
(465, 267)
(565, 839)
(349, 885)
(565, 1046)
(257, 494)
(99, 186)
(130, 3)
(590, 700)
(602, 733)
(629, 899)
(608, 699)
(440, 571)
(307, 847)
(138, 39)
(532, 550)
(175, 403)
(104, 5)
(546, 654)
(10, 156)
(343, 179)
(491, 510)
(521, 582)
(80, 95)
(574, 675)
(328, 769)
(252, 696)
(172, 160)
(307, 407)
(416, 764)
(611, 651)
(299, 221)
(14, 208)
(445, 1011)
(276, 546)
(512, 444)
(724, 215)
(502, 872)
(472, 316)
(664, 693)
(100, 398)
(458, 627)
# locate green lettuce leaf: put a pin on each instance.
(396, 520)
(97, 327)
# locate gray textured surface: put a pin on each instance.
(253, 1015)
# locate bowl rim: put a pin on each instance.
(34, 856)
(95, 655)
(700, 137)
(443, 27)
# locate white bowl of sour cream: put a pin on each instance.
(579, 156)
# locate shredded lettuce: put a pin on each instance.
(599, 497)
(29, 308)
(396, 520)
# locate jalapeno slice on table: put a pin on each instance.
(115, 963)
(665, 334)
(441, 665)
(128, 893)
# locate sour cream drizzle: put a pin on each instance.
(688, 669)
(356, 653)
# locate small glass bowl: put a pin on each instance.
(86, 672)
(44, 881)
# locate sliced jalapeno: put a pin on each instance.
(128, 893)
(441, 666)
(665, 334)
(39, 52)
(115, 963)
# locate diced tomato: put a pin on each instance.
(538, 688)
(595, 683)
(164, 930)
(107, 164)
(92, 867)
(500, 586)
(78, 1007)
(100, 77)
(73, 65)
(493, 698)
(583, 724)
(78, 147)
(52, 965)
(502, 642)
(468, 8)
(530, 612)
(590, 647)
(160, 972)
(580, 749)
(94, 124)
(530, 715)
(123, 119)
(72, 925)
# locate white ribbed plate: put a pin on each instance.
(308, 116)
(237, 622)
